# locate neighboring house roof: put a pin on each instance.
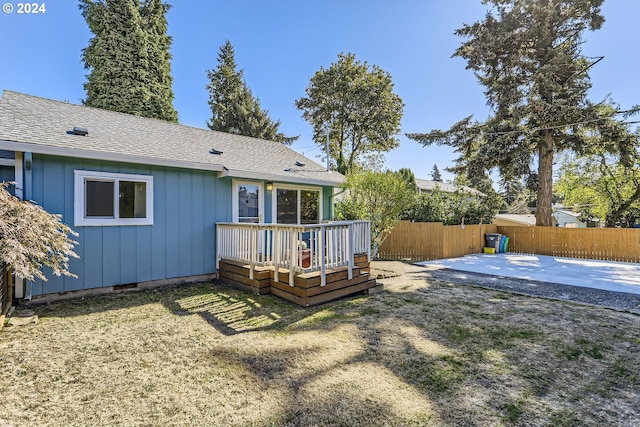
(32, 124)
(523, 219)
(563, 212)
(428, 185)
(568, 219)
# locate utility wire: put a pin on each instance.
(536, 129)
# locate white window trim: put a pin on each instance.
(298, 188)
(79, 199)
(236, 183)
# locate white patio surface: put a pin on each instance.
(607, 275)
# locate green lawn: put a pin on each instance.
(420, 353)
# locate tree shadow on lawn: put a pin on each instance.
(228, 310)
(483, 366)
(448, 355)
(336, 367)
(232, 311)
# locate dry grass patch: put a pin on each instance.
(422, 354)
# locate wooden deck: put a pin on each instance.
(307, 289)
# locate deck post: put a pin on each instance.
(252, 251)
(277, 241)
(368, 239)
(218, 243)
(293, 250)
(322, 255)
(349, 247)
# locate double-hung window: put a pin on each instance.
(297, 205)
(103, 198)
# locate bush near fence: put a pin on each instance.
(420, 241)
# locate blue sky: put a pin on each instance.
(280, 44)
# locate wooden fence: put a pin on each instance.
(613, 244)
(420, 241)
(426, 241)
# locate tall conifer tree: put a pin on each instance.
(435, 173)
(153, 13)
(234, 109)
(527, 55)
(128, 58)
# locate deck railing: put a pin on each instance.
(297, 248)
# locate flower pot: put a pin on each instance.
(305, 260)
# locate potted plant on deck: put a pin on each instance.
(305, 257)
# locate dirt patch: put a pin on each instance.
(426, 352)
(394, 268)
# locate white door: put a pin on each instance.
(248, 202)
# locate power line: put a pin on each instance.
(536, 129)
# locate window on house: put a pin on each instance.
(103, 198)
(309, 207)
(297, 206)
(287, 205)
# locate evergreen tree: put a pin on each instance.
(527, 54)
(128, 58)
(514, 193)
(407, 175)
(225, 89)
(234, 109)
(435, 173)
(154, 13)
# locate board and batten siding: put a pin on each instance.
(181, 241)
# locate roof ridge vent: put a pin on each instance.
(80, 131)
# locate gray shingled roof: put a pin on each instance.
(38, 125)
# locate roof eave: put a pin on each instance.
(101, 155)
(294, 178)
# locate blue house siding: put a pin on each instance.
(181, 242)
(327, 203)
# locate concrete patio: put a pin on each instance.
(605, 275)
